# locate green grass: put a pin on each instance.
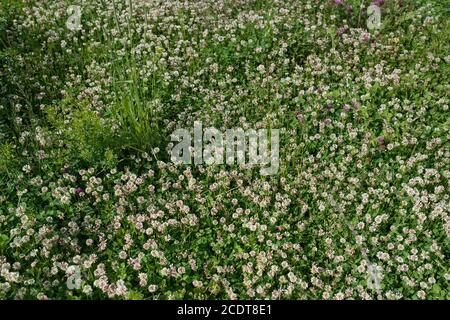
(81, 122)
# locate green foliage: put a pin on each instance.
(364, 150)
(87, 137)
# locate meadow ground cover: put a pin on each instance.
(91, 205)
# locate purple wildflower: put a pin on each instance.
(79, 190)
(380, 140)
(342, 30)
(346, 108)
(300, 117)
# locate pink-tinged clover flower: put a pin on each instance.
(380, 140)
(79, 190)
(299, 117)
(346, 108)
(342, 30)
(378, 3)
(338, 2)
